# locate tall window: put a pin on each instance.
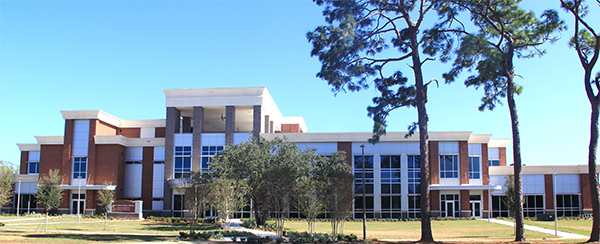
(533, 205)
(208, 152)
(178, 205)
(414, 207)
(358, 175)
(494, 162)
(414, 174)
(33, 168)
(474, 168)
(450, 205)
(448, 166)
(390, 175)
(499, 208)
(568, 205)
(183, 162)
(79, 167)
(367, 187)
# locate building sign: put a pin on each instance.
(123, 206)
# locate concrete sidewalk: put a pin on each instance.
(561, 234)
(236, 224)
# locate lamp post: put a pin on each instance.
(489, 199)
(78, 195)
(18, 197)
(555, 205)
(364, 201)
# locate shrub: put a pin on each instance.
(183, 235)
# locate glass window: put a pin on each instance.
(390, 174)
(79, 167)
(414, 174)
(178, 205)
(494, 162)
(533, 205)
(33, 168)
(414, 207)
(208, 152)
(474, 168)
(568, 205)
(368, 174)
(183, 162)
(448, 166)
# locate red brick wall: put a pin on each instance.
(346, 147)
(66, 151)
(485, 202)
(549, 192)
(290, 128)
(159, 132)
(51, 158)
(463, 149)
(91, 159)
(434, 199)
(110, 166)
(485, 169)
(502, 152)
(434, 162)
(129, 132)
(464, 203)
(147, 177)
(586, 200)
(103, 128)
(24, 160)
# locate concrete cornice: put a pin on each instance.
(541, 170)
(498, 143)
(50, 140)
(29, 147)
(364, 137)
(92, 114)
(215, 97)
(143, 123)
(480, 138)
(129, 142)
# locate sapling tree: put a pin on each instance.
(198, 193)
(7, 180)
(106, 197)
(50, 192)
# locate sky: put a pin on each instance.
(119, 56)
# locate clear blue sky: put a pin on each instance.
(118, 56)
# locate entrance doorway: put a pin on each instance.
(74, 203)
(450, 209)
(476, 209)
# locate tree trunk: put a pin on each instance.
(519, 218)
(105, 220)
(593, 174)
(426, 234)
(46, 222)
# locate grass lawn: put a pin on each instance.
(455, 230)
(582, 227)
(37, 237)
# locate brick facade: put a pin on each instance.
(24, 160)
(229, 124)
(147, 176)
(129, 132)
(346, 147)
(463, 149)
(485, 168)
(290, 128)
(434, 163)
(586, 199)
(549, 191)
(66, 152)
(502, 151)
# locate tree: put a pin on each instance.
(7, 175)
(503, 32)
(509, 190)
(228, 196)
(247, 161)
(586, 42)
(49, 192)
(106, 197)
(336, 193)
(198, 193)
(309, 187)
(353, 50)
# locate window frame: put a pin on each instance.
(79, 172)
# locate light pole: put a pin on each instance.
(555, 205)
(364, 200)
(18, 197)
(489, 199)
(78, 195)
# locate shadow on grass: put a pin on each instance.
(101, 238)
(159, 226)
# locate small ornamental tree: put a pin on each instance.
(106, 197)
(309, 187)
(49, 192)
(197, 194)
(229, 195)
(7, 175)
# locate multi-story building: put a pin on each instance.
(148, 160)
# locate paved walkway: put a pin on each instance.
(236, 224)
(561, 234)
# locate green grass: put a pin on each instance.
(455, 230)
(582, 227)
(30, 237)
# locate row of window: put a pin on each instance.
(183, 159)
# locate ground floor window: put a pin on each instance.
(178, 205)
(78, 201)
(358, 207)
(499, 208)
(27, 203)
(568, 205)
(533, 205)
(450, 205)
(391, 207)
(414, 207)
